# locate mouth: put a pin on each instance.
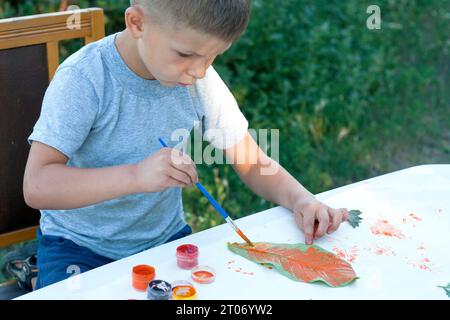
(184, 84)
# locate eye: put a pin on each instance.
(184, 55)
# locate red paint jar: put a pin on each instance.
(187, 256)
(141, 276)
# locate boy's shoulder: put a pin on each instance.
(88, 61)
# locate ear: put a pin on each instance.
(134, 21)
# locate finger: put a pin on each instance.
(184, 163)
(172, 179)
(299, 220)
(324, 222)
(177, 157)
(335, 219)
(344, 214)
(193, 172)
(308, 227)
(173, 183)
(179, 176)
(186, 170)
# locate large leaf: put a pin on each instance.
(299, 262)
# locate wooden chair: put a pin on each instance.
(29, 57)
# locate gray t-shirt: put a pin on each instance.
(99, 113)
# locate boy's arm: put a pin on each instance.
(271, 181)
(50, 184)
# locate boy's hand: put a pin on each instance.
(316, 218)
(164, 169)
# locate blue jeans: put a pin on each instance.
(55, 255)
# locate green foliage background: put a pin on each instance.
(351, 103)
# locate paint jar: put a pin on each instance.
(159, 290)
(141, 276)
(183, 290)
(203, 274)
(187, 256)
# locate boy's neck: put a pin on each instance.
(127, 48)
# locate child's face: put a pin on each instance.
(178, 56)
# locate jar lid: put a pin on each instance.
(187, 250)
(203, 274)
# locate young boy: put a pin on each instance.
(105, 187)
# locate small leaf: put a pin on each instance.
(446, 288)
(299, 262)
(354, 218)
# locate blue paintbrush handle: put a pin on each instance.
(211, 200)
(163, 143)
(204, 191)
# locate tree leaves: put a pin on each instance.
(299, 262)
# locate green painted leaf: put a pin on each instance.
(446, 288)
(299, 262)
(354, 218)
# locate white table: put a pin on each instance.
(408, 267)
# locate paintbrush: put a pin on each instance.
(217, 206)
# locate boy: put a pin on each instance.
(105, 187)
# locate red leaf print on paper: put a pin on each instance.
(350, 255)
(383, 227)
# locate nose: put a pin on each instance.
(198, 71)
